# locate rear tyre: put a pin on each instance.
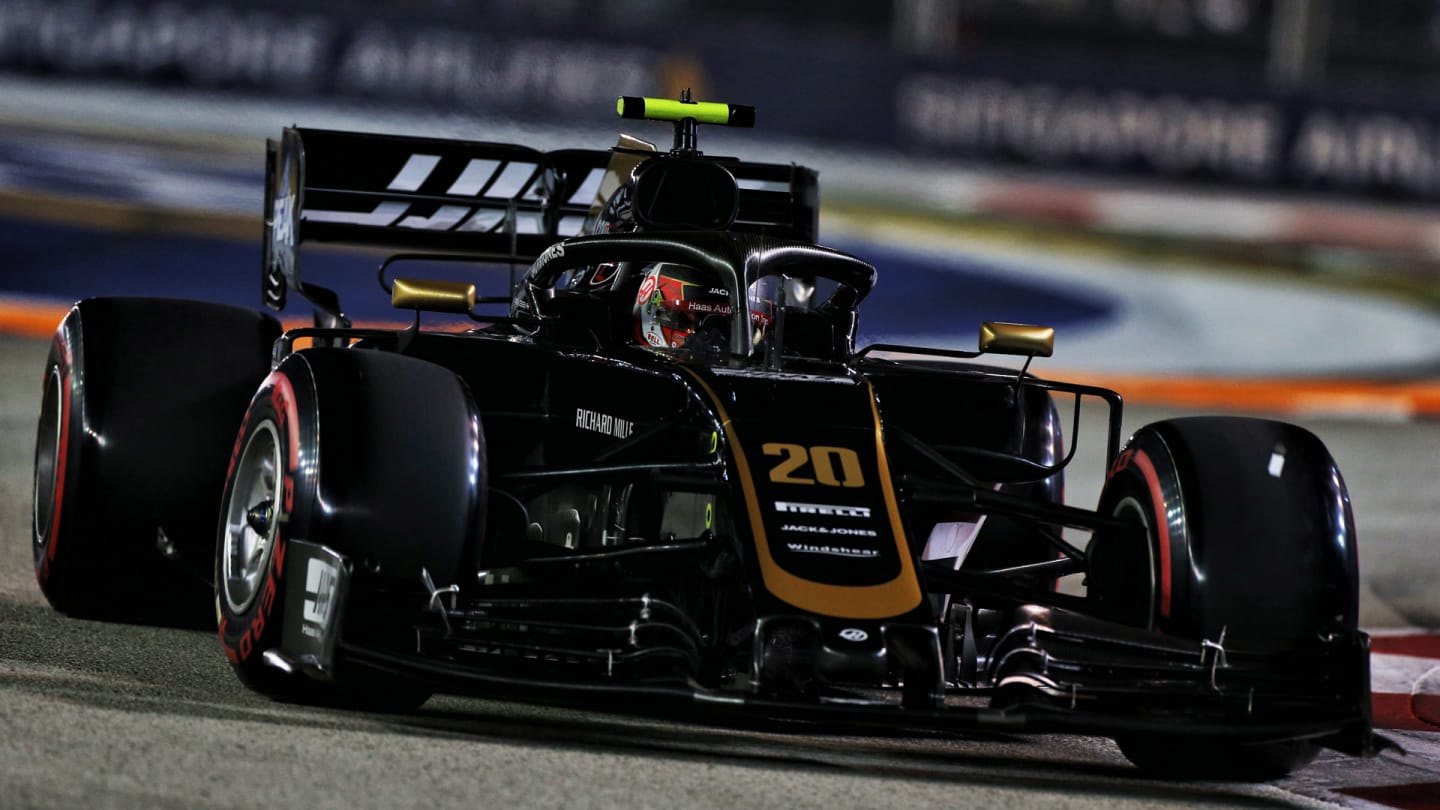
(1248, 533)
(139, 405)
(377, 457)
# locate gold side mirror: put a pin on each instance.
(1017, 338)
(432, 296)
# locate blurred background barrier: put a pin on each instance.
(1314, 95)
(1132, 116)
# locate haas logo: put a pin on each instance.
(282, 231)
(284, 212)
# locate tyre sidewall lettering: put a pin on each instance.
(243, 634)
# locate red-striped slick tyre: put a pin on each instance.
(257, 519)
(374, 455)
(139, 403)
(1247, 532)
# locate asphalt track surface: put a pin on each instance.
(124, 716)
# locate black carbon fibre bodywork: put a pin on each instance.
(738, 610)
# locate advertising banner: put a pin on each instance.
(1062, 113)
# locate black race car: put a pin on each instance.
(663, 470)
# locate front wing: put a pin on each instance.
(1054, 671)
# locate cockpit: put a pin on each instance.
(702, 296)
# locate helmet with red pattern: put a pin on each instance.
(675, 303)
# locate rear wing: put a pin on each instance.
(495, 201)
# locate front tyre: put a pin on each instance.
(1247, 535)
(331, 453)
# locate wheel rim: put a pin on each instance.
(1131, 510)
(47, 456)
(250, 518)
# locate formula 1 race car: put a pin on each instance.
(664, 470)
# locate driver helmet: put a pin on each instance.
(675, 303)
